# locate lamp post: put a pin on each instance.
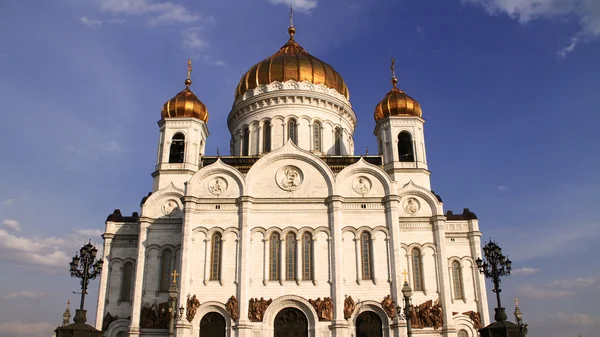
(85, 267)
(406, 295)
(494, 267)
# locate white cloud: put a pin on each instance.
(12, 225)
(301, 5)
(576, 282)
(26, 329)
(574, 319)
(158, 12)
(24, 294)
(502, 188)
(541, 293)
(51, 252)
(191, 38)
(586, 12)
(9, 201)
(90, 22)
(524, 271)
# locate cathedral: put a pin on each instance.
(292, 234)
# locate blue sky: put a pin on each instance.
(508, 89)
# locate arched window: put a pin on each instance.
(366, 256)
(463, 333)
(290, 257)
(307, 256)
(274, 262)
(457, 280)
(127, 281)
(166, 268)
(215, 260)
(267, 137)
(317, 136)
(417, 270)
(405, 147)
(293, 131)
(245, 142)
(177, 151)
(338, 142)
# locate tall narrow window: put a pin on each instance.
(307, 256)
(215, 259)
(338, 142)
(290, 257)
(127, 282)
(177, 151)
(317, 136)
(246, 142)
(293, 131)
(267, 137)
(457, 278)
(405, 147)
(166, 268)
(275, 258)
(417, 270)
(366, 256)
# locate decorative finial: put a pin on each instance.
(68, 304)
(188, 81)
(367, 152)
(218, 153)
(516, 302)
(394, 79)
(174, 274)
(405, 273)
(291, 29)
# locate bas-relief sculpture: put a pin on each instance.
(108, 319)
(257, 308)
(475, 317)
(361, 185)
(170, 207)
(427, 315)
(154, 316)
(389, 306)
(217, 186)
(233, 308)
(324, 308)
(349, 307)
(412, 206)
(289, 178)
(192, 307)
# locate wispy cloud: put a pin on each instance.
(586, 12)
(576, 282)
(420, 30)
(26, 329)
(191, 38)
(157, 12)
(502, 188)
(94, 23)
(524, 271)
(8, 201)
(540, 293)
(12, 225)
(558, 288)
(574, 319)
(301, 5)
(24, 294)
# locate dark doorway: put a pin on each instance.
(291, 322)
(368, 324)
(212, 325)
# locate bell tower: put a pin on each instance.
(182, 139)
(400, 136)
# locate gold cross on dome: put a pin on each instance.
(405, 276)
(517, 302)
(174, 274)
(393, 67)
(68, 304)
(189, 69)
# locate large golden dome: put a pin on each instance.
(185, 103)
(397, 103)
(291, 62)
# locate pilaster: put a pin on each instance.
(183, 327)
(474, 237)
(134, 328)
(103, 279)
(243, 326)
(392, 204)
(439, 234)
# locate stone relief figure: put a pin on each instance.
(108, 319)
(412, 206)
(324, 308)
(232, 308)
(155, 316)
(349, 307)
(389, 306)
(362, 185)
(291, 178)
(217, 186)
(170, 207)
(257, 308)
(427, 315)
(192, 307)
(475, 317)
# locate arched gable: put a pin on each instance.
(217, 180)
(362, 179)
(376, 308)
(119, 325)
(208, 307)
(165, 203)
(423, 198)
(291, 301)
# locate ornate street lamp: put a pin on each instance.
(173, 292)
(85, 267)
(406, 294)
(494, 267)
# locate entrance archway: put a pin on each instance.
(368, 324)
(290, 322)
(212, 325)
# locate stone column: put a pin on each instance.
(474, 236)
(339, 326)
(183, 327)
(138, 289)
(392, 204)
(103, 279)
(243, 326)
(439, 234)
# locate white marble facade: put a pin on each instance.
(289, 223)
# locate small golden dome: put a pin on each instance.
(397, 102)
(291, 62)
(185, 103)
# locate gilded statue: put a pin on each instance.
(257, 308)
(192, 307)
(349, 307)
(427, 315)
(389, 306)
(232, 308)
(155, 316)
(108, 319)
(475, 317)
(324, 308)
